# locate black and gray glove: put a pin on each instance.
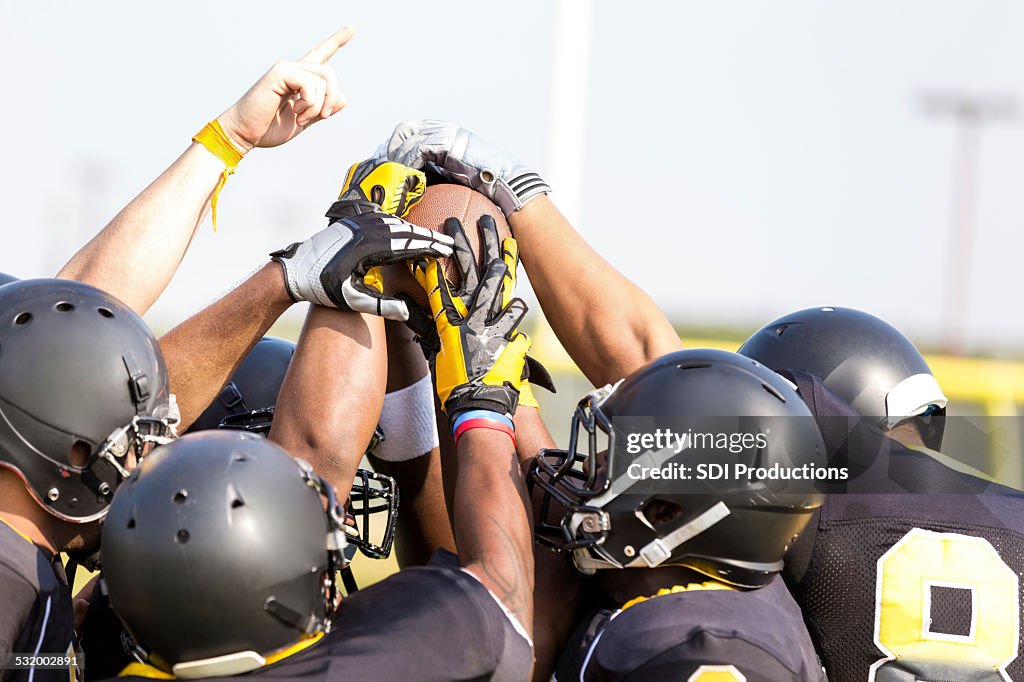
(465, 158)
(338, 266)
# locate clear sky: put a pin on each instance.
(743, 158)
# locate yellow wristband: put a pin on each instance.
(213, 137)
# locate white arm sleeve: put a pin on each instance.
(407, 420)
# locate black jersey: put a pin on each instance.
(919, 577)
(435, 622)
(696, 634)
(36, 616)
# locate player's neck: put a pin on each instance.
(20, 512)
(906, 434)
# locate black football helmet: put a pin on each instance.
(219, 550)
(82, 386)
(864, 360)
(247, 404)
(737, 533)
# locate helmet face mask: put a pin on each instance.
(571, 478)
(372, 494)
(608, 520)
(337, 539)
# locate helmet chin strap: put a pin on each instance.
(658, 550)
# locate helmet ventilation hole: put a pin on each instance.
(180, 496)
(64, 307)
(105, 312)
(774, 391)
(237, 502)
(131, 524)
(781, 329)
(181, 537)
(23, 318)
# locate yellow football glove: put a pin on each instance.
(480, 363)
(391, 186)
(374, 186)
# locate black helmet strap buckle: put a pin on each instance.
(289, 616)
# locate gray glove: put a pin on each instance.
(467, 159)
(331, 267)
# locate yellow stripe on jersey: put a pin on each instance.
(717, 673)
(691, 587)
(154, 673)
(26, 538)
(144, 670)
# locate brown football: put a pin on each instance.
(439, 203)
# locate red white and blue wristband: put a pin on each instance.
(482, 419)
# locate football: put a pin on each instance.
(439, 203)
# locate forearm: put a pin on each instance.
(609, 326)
(137, 253)
(557, 587)
(205, 350)
(532, 435)
(492, 525)
(332, 395)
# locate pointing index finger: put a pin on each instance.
(325, 50)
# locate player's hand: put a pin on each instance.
(420, 321)
(337, 267)
(391, 186)
(288, 98)
(482, 353)
(465, 158)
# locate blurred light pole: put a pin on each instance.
(567, 112)
(970, 113)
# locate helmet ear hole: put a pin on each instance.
(660, 512)
(79, 454)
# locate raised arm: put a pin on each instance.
(609, 326)
(205, 350)
(477, 375)
(137, 253)
(331, 397)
